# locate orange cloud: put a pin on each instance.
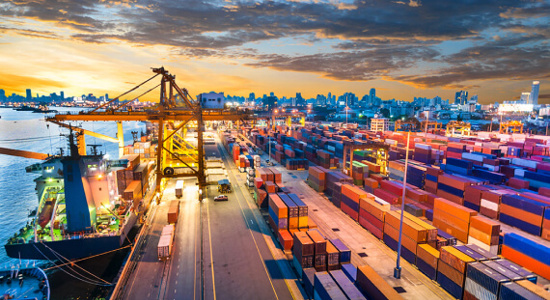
(19, 83)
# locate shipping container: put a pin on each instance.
(373, 285)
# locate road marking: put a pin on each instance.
(255, 243)
(211, 256)
(251, 221)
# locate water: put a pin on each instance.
(29, 131)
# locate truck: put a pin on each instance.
(224, 186)
(173, 211)
(166, 242)
(179, 188)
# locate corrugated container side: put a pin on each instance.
(373, 285)
(325, 288)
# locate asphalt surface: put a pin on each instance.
(219, 251)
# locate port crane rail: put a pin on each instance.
(168, 110)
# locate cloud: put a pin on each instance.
(28, 32)
(354, 66)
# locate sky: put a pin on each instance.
(403, 48)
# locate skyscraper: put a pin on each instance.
(461, 97)
(29, 95)
(525, 97)
(372, 95)
(62, 95)
(534, 97)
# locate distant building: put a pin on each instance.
(212, 100)
(372, 95)
(251, 97)
(525, 97)
(271, 102)
(380, 124)
(2, 95)
(62, 95)
(29, 95)
(534, 97)
(461, 97)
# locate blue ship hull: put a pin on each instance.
(69, 249)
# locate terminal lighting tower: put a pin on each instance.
(534, 97)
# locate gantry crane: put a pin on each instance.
(431, 126)
(511, 127)
(460, 127)
(381, 151)
(182, 109)
(411, 124)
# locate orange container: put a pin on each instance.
(526, 261)
(459, 211)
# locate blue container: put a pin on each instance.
(448, 285)
(471, 205)
(426, 269)
(485, 276)
(512, 290)
(482, 251)
(325, 288)
(429, 214)
(458, 170)
(537, 176)
(477, 291)
(350, 271)
(308, 279)
(346, 285)
(492, 177)
(525, 204)
(345, 253)
(461, 163)
(471, 253)
(527, 227)
(352, 204)
(528, 247)
(450, 190)
(405, 253)
(502, 270)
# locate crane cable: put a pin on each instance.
(116, 98)
(64, 271)
(59, 255)
(86, 258)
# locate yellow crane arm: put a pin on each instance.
(87, 132)
(23, 153)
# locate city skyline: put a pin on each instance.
(404, 49)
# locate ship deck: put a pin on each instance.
(28, 288)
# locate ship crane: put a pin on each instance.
(168, 110)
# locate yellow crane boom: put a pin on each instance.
(23, 153)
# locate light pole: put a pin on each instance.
(397, 270)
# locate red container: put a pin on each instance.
(350, 212)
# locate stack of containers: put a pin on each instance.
(359, 172)
(351, 196)
(396, 169)
(389, 191)
(333, 257)
(344, 254)
(427, 258)
(346, 285)
(324, 287)
(523, 213)
(452, 187)
(472, 196)
(430, 183)
(320, 252)
(459, 166)
(302, 211)
(316, 178)
(454, 150)
(373, 285)
(333, 178)
(484, 233)
(451, 270)
(523, 273)
(413, 234)
(527, 253)
(302, 251)
(293, 211)
(422, 153)
(482, 282)
(522, 289)
(490, 202)
(278, 213)
(370, 185)
(452, 218)
(372, 215)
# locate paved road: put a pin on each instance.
(219, 251)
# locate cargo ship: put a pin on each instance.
(84, 206)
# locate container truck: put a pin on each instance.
(165, 242)
(179, 188)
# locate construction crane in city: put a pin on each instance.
(176, 109)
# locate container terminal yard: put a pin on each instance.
(327, 210)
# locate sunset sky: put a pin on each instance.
(403, 48)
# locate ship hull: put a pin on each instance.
(69, 249)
